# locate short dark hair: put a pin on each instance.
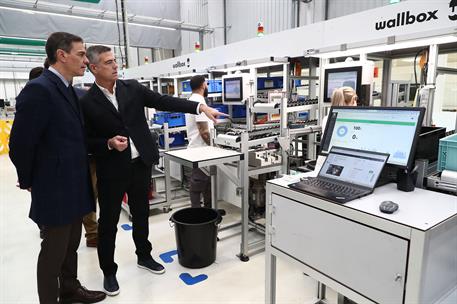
(46, 63)
(196, 82)
(59, 40)
(94, 51)
(35, 72)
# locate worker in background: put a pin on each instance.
(48, 149)
(89, 220)
(344, 96)
(35, 72)
(119, 137)
(198, 133)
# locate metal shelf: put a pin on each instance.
(170, 129)
(264, 140)
(214, 95)
(305, 130)
(301, 108)
(263, 170)
(156, 173)
(304, 77)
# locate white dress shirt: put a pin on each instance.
(65, 82)
(113, 100)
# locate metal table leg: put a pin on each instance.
(166, 163)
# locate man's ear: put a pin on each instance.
(92, 67)
(61, 55)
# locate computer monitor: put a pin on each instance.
(389, 130)
(233, 89)
(342, 77)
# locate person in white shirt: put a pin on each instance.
(198, 133)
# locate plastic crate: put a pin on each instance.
(239, 111)
(303, 115)
(447, 155)
(173, 119)
(214, 86)
(186, 86)
(176, 139)
(266, 83)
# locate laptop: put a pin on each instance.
(346, 174)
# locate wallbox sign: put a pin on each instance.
(406, 18)
(181, 64)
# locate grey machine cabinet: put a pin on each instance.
(371, 257)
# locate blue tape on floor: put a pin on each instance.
(190, 280)
(167, 257)
(126, 227)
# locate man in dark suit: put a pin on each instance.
(120, 139)
(47, 146)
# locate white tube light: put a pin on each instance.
(22, 38)
(29, 11)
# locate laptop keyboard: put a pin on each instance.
(331, 187)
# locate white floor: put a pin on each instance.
(229, 279)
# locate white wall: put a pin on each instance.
(243, 16)
(338, 8)
(192, 11)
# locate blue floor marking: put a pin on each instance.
(167, 257)
(126, 227)
(190, 280)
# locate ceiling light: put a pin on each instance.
(22, 38)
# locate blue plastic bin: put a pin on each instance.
(173, 119)
(303, 115)
(447, 155)
(266, 83)
(176, 139)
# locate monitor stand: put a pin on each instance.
(388, 175)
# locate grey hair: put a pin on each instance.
(93, 52)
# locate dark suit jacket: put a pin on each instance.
(103, 121)
(47, 146)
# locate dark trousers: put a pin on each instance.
(200, 183)
(110, 193)
(58, 261)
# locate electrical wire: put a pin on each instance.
(119, 34)
(415, 72)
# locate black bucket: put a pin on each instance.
(196, 236)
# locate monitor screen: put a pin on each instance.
(233, 89)
(353, 166)
(387, 130)
(342, 77)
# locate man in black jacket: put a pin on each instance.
(47, 147)
(119, 137)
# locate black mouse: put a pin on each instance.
(388, 207)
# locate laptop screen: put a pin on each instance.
(353, 166)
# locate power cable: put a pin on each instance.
(119, 34)
(415, 72)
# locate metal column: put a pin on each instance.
(431, 81)
(244, 178)
(126, 33)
